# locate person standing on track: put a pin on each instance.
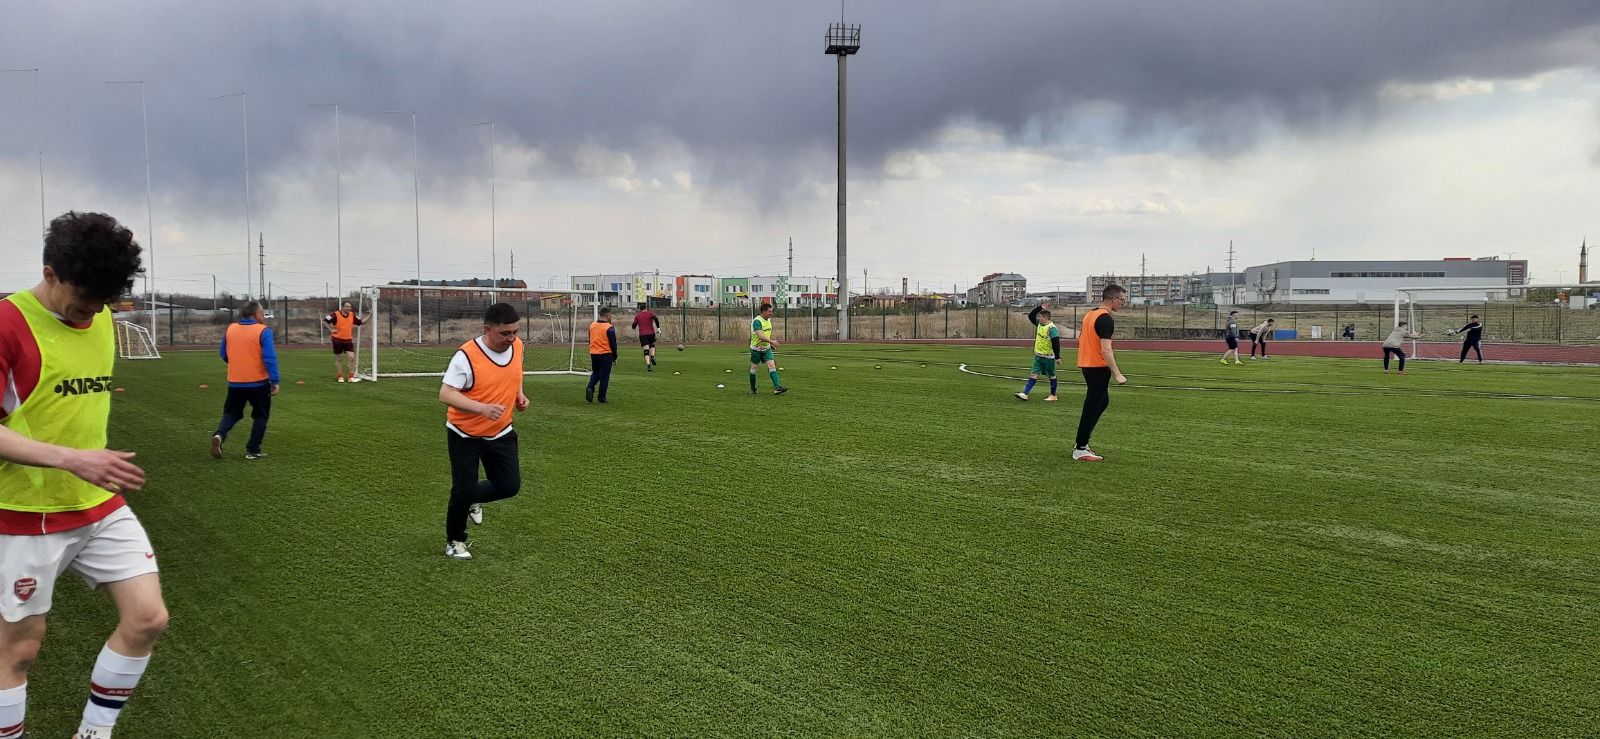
(1258, 338)
(1474, 340)
(647, 324)
(1230, 334)
(342, 327)
(61, 504)
(1098, 363)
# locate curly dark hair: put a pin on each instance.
(93, 253)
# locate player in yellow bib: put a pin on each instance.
(1046, 350)
(61, 505)
(761, 345)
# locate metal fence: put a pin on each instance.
(299, 321)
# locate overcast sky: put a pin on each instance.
(1054, 139)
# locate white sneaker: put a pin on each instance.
(476, 514)
(86, 731)
(457, 550)
(341, 378)
(1084, 455)
(1020, 396)
(355, 379)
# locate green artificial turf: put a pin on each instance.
(1298, 547)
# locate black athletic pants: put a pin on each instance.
(260, 400)
(1473, 345)
(1095, 402)
(500, 466)
(600, 373)
(1397, 352)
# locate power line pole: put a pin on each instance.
(791, 257)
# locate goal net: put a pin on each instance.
(135, 342)
(412, 332)
(1550, 324)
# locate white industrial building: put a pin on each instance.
(1374, 282)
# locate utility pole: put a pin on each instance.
(262, 250)
(513, 274)
(791, 257)
(843, 41)
(1233, 284)
(213, 293)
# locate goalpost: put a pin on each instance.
(554, 335)
(1546, 323)
(135, 342)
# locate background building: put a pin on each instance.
(999, 288)
(1154, 289)
(695, 291)
(629, 290)
(1356, 282)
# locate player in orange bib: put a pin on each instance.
(481, 387)
(61, 505)
(342, 325)
(1098, 363)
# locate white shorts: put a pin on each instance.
(113, 549)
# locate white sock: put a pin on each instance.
(112, 682)
(13, 706)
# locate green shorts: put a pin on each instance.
(761, 356)
(1043, 366)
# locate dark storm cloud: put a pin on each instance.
(744, 84)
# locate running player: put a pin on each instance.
(1098, 363)
(646, 323)
(1046, 350)
(252, 378)
(1231, 336)
(61, 505)
(1474, 340)
(761, 346)
(343, 323)
(481, 386)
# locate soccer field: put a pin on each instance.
(1288, 548)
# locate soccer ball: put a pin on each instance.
(680, 347)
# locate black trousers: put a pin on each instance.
(1095, 401)
(600, 372)
(260, 400)
(500, 465)
(1397, 352)
(1473, 345)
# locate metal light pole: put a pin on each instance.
(149, 216)
(244, 106)
(416, 199)
(38, 139)
(843, 41)
(494, 274)
(338, 199)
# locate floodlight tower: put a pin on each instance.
(843, 41)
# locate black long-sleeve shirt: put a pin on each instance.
(1473, 330)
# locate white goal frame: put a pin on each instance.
(1408, 297)
(135, 342)
(583, 301)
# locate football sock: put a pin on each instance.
(1052, 386)
(1029, 387)
(774, 375)
(13, 704)
(110, 684)
(752, 381)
